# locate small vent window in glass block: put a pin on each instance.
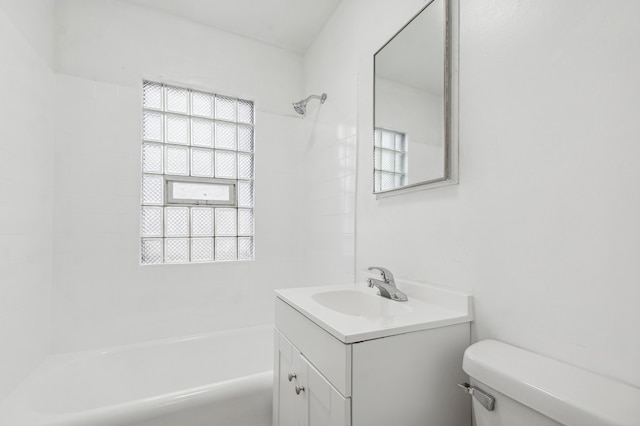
(201, 191)
(389, 159)
(197, 164)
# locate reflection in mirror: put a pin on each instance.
(411, 142)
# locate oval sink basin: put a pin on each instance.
(358, 303)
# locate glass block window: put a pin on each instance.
(197, 176)
(389, 160)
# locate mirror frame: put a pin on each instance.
(451, 36)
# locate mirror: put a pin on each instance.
(412, 105)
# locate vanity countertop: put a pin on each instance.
(354, 313)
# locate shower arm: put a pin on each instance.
(301, 106)
(322, 98)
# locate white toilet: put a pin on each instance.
(514, 387)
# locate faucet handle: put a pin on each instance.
(387, 276)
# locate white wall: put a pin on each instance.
(543, 228)
(102, 295)
(550, 98)
(26, 169)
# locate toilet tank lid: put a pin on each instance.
(565, 393)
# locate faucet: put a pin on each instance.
(386, 286)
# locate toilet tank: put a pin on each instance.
(531, 389)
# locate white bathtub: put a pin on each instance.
(221, 379)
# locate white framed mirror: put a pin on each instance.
(415, 104)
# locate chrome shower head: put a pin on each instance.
(301, 107)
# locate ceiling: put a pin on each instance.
(292, 24)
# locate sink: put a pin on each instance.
(355, 313)
(360, 304)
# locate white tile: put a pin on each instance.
(26, 159)
(156, 295)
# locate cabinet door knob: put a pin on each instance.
(299, 389)
(292, 376)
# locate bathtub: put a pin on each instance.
(220, 379)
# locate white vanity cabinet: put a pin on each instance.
(403, 379)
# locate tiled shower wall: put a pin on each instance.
(332, 152)
(26, 170)
(102, 295)
(329, 156)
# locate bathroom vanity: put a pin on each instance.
(346, 356)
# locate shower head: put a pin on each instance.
(301, 107)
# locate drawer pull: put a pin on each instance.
(299, 389)
(292, 376)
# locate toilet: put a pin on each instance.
(511, 386)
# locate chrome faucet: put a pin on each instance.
(386, 286)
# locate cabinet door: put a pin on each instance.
(285, 409)
(324, 405)
(307, 399)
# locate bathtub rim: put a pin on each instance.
(19, 405)
(104, 350)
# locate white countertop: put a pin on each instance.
(428, 307)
